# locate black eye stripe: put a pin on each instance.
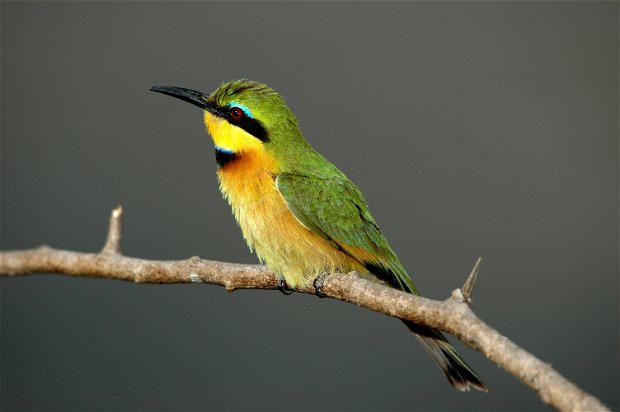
(252, 126)
(249, 124)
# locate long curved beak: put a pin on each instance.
(191, 96)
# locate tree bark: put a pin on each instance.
(453, 315)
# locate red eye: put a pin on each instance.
(236, 113)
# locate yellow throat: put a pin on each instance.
(229, 137)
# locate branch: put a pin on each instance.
(452, 315)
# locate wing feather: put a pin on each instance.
(336, 210)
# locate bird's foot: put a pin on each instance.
(318, 286)
(283, 287)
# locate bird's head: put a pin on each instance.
(243, 116)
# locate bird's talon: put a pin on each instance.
(318, 286)
(283, 287)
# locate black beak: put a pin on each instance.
(190, 96)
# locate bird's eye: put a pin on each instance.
(236, 113)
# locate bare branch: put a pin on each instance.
(115, 266)
(452, 315)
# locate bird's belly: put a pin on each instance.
(289, 249)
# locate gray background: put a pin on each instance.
(473, 129)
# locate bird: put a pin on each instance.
(297, 211)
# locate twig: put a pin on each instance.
(452, 315)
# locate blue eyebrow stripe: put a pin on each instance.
(245, 109)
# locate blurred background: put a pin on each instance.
(474, 129)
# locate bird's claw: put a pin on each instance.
(318, 286)
(283, 287)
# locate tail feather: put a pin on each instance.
(458, 372)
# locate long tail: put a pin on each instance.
(458, 372)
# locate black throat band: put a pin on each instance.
(223, 157)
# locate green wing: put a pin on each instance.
(336, 210)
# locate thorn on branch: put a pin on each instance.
(468, 287)
(359, 289)
(113, 242)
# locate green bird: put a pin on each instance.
(300, 214)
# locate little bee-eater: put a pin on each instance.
(301, 215)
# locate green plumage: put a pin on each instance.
(338, 230)
(339, 213)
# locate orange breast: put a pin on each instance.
(288, 248)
